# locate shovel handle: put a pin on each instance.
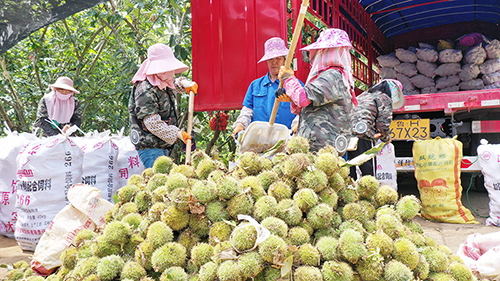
(291, 51)
(189, 127)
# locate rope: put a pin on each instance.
(467, 195)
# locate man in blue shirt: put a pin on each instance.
(259, 99)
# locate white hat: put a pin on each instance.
(64, 83)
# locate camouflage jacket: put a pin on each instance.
(146, 100)
(42, 115)
(375, 110)
(329, 113)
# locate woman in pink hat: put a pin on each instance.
(325, 104)
(259, 99)
(153, 121)
(59, 109)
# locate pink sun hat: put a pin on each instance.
(330, 38)
(161, 59)
(274, 47)
(64, 82)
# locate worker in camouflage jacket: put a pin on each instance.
(325, 104)
(372, 118)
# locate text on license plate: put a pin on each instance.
(410, 129)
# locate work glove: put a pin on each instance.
(294, 129)
(281, 95)
(236, 130)
(188, 85)
(285, 73)
(193, 142)
(184, 136)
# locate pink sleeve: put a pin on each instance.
(297, 93)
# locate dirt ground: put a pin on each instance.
(451, 235)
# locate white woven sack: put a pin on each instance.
(411, 92)
(469, 72)
(386, 172)
(475, 55)
(388, 60)
(450, 55)
(387, 73)
(447, 69)
(490, 66)
(10, 145)
(408, 69)
(422, 81)
(429, 55)
(450, 89)
(493, 49)
(491, 78)
(447, 81)
(47, 168)
(489, 160)
(406, 55)
(129, 162)
(428, 90)
(474, 84)
(495, 85)
(405, 81)
(100, 162)
(426, 46)
(426, 68)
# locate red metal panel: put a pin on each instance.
(451, 101)
(228, 40)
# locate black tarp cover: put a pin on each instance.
(19, 18)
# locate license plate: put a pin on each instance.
(410, 129)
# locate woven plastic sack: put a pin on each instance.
(447, 81)
(405, 81)
(87, 210)
(429, 90)
(490, 66)
(489, 160)
(429, 55)
(426, 46)
(422, 81)
(449, 89)
(475, 55)
(406, 55)
(47, 168)
(444, 44)
(129, 162)
(495, 85)
(386, 172)
(388, 60)
(411, 92)
(469, 72)
(450, 55)
(426, 68)
(11, 145)
(408, 69)
(493, 49)
(474, 84)
(491, 78)
(437, 170)
(481, 253)
(387, 73)
(447, 69)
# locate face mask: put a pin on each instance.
(63, 97)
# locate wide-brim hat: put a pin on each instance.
(274, 47)
(330, 38)
(161, 59)
(397, 96)
(64, 83)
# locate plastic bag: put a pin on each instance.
(447, 81)
(444, 44)
(386, 166)
(87, 210)
(437, 170)
(469, 72)
(447, 69)
(426, 68)
(481, 253)
(489, 156)
(422, 81)
(429, 55)
(47, 168)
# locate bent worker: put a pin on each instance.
(153, 120)
(372, 119)
(325, 104)
(259, 99)
(59, 109)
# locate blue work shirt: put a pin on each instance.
(260, 97)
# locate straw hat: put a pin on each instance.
(398, 99)
(330, 38)
(274, 47)
(161, 59)
(64, 83)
